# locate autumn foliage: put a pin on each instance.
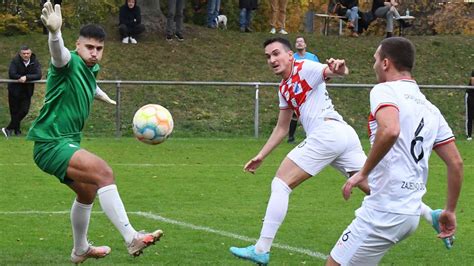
(457, 17)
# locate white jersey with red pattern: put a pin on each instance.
(305, 92)
(398, 182)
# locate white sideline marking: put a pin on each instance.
(152, 216)
(230, 235)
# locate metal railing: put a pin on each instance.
(256, 85)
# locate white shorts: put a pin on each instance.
(370, 235)
(332, 143)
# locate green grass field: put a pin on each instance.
(195, 190)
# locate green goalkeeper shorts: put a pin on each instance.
(53, 156)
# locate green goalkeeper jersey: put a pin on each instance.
(69, 95)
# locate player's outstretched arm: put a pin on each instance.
(254, 163)
(52, 19)
(101, 95)
(279, 132)
(336, 67)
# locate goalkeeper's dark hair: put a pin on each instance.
(93, 31)
(286, 44)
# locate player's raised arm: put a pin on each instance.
(336, 67)
(52, 19)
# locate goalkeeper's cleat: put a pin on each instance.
(448, 241)
(92, 252)
(249, 253)
(142, 240)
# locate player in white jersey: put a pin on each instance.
(404, 128)
(329, 141)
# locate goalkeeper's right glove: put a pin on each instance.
(52, 18)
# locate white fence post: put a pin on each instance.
(118, 118)
(256, 111)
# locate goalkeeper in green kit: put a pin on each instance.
(70, 90)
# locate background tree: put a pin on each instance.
(152, 16)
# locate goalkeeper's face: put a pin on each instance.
(90, 50)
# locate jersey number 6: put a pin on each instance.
(414, 141)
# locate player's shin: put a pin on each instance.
(80, 217)
(275, 214)
(113, 207)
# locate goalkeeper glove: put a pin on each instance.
(52, 18)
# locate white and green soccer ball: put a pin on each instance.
(152, 124)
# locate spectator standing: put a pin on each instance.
(352, 14)
(213, 7)
(174, 24)
(23, 67)
(469, 99)
(388, 10)
(130, 22)
(278, 16)
(246, 8)
(300, 54)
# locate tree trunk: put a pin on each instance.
(152, 17)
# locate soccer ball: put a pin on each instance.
(152, 124)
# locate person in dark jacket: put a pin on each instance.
(23, 67)
(246, 8)
(469, 108)
(130, 22)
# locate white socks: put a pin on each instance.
(113, 207)
(80, 216)
(274, 216)
(426, 213)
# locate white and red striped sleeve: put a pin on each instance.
(382, 96)
(312, 73)
(444, 134)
